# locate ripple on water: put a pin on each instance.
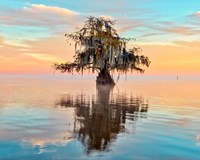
(59, 120)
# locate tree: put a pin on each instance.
(99, 47)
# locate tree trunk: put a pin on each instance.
(104, 78)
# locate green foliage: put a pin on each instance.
(98, 46)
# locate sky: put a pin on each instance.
(32, 32)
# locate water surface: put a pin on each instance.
(60, 118)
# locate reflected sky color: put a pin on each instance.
(57, 118)
(168, 32)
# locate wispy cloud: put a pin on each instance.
(194, 18)
(36, 21)
(38, 15)
(193, 44)
(43, 57)
(36, 35)
(151, 34)
(172, 27)
(181, 30)
(41, 8)
(1, 40)
(196, 14)
(35, 59)
(125, 24)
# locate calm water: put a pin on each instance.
(55, 118)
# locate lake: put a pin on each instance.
(69, 118)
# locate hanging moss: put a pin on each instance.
(98, 46)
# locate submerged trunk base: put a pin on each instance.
(104, 78)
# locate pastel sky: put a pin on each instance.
(32, 32)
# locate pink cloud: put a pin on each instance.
(35, 8)
(171, 27)
(196, 14)
(13, 60)
(124, 24)
(39, 15)
(182, 30)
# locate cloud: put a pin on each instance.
(181, 30)
(9, 50)
(35, 22)
(39, 15)
(1, 40)
(125, 24)
(37, 57)
(53, 47)
(35, 8)
(43, 57)
(193, 44)
(151, 34)
(194, 18)
(11, 59)
(170, 27)
(4, 58)
(196, 14)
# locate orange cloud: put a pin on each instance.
(180, 58)
(194, 44)
(43, 57)
(1, 40)
(182, 30)
(54, 47)
(35, 59)
(51, 9)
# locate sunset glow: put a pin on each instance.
(32, 32)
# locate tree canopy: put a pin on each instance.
(99, 47)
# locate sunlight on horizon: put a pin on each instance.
(33, 39)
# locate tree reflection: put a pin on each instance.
(99, 118)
